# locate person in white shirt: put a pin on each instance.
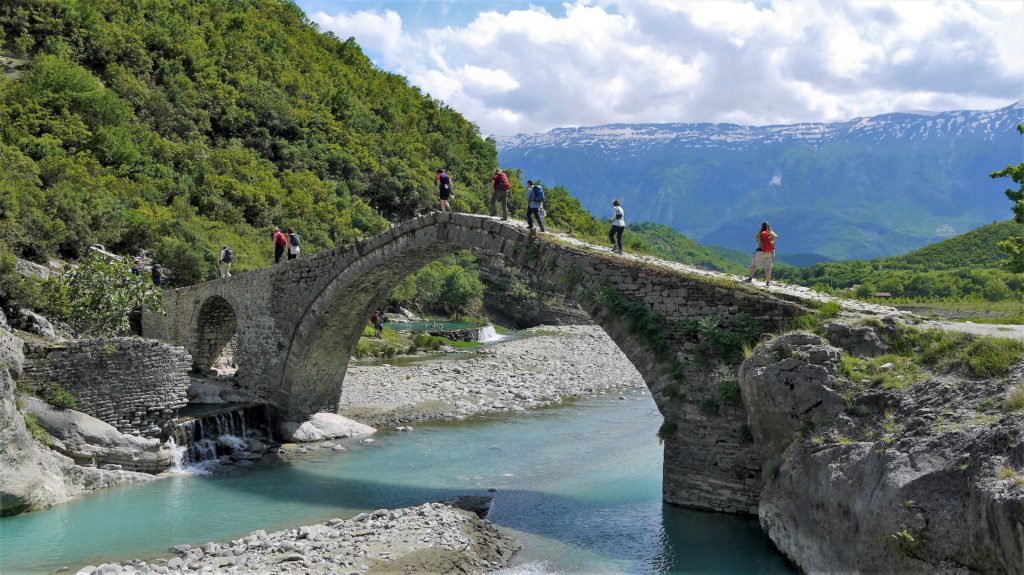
(618, 221)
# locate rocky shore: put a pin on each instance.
(429, 538)
(547, 366)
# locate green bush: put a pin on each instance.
(729, 392)
(61, 398)
(666, 430)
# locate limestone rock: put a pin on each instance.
(31, 269)
(321, 426)
(218, 391)
(785, 387)
(88, 440)
(3, 320)
(11, 352)
(32, 322)
(860, 341)
(920, 480)
(30, 477)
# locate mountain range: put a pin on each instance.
(864, 188)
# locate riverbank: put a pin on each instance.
(429, 538)
(548, 365)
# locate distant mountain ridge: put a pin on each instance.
(863, 188)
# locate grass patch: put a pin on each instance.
(1006, 472)
(981, 356)
(829, 310)
(994, 357)
(729, 392)
(37, 431)
(1014, 400)
(901, 371)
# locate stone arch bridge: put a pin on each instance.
(298, 321)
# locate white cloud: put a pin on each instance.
(607, 61)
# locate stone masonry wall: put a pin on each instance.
(136, 385)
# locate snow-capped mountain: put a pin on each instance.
(866, 187)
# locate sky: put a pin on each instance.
(524, 67)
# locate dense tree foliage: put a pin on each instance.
(450, 284)
(1014, 246)
(182, 125)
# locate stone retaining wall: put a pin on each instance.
(472, 334)
(136, 385)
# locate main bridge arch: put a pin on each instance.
(298, 322)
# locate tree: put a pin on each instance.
(102, 293)
(1014, 247)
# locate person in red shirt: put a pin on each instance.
(764, 255)
(499, 193)
(280, 243)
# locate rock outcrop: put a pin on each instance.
(929, 478)
(31, 475)
(89, 441)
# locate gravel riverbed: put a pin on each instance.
(548, 365)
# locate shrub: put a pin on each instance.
(666, 430)
(729, 392)
(829, 310)
(708, 406)
(61, 398)
(993, 357)
(102, 293)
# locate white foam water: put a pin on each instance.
(488, 333)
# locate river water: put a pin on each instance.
(579, 485)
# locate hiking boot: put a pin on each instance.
(766, 284)
(748, 281)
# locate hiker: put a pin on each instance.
(293, 243)
(499, 193)
(226, 257)
(764, 255)
(375, 321)
(157, 273)
(534, 204)
(618, 221)
(280, 243)
(136, 268)
(379, 326)
(443, 187)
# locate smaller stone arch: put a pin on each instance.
(216, 333)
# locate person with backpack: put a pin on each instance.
(618, 221)
(293, 243)
(280, 243)
(534, 204)
(378, 327)
(764, 255)
(499, 193)
(157, 273)
(443, 187)
(226, 257)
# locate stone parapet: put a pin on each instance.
(136, 385)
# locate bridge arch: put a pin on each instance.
(298, 322)
(216, 326)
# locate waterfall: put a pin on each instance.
(197, 444)
(488, 333)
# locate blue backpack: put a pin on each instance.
(537, 194)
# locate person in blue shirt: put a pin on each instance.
(534, 204)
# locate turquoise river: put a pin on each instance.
(579, 485)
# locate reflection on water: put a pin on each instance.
(580, 486)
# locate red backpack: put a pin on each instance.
(503, 181)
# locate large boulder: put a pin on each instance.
(321, 426)
(929, 478)
(30, 321)
(90, 441)
(31, 269)
(862, 341)
(786, 388)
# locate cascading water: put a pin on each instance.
(198, 443)
(488, 334)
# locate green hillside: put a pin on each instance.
(667, 243)
(967, 266)
(181, 125)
